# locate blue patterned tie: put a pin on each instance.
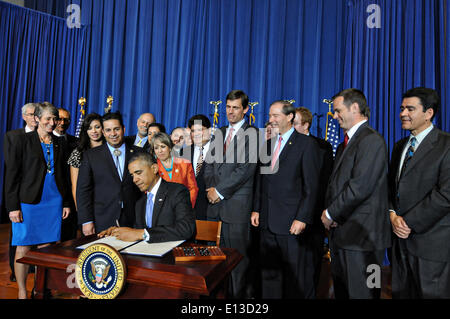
(409, 155)
(149, 210)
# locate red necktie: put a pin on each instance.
(228, 141)
(277, 152)
(345, 141)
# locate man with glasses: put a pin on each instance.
(62, 125)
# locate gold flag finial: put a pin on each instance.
(252, 115)
(216, 113)
(290, 101)
(82, 102)
(109, 101)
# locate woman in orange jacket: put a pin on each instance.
(174, 169)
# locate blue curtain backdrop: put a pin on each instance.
(40, 60)
(171, 57)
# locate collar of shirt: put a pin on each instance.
(155, 189)
(27, 129)
(122, 149)
(57, 134)
(421, 136)
(236, 127)
(353, 130)
(205, 148)
(286, 136)
(138, 138)
(197, 153)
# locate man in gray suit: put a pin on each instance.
(229, 183)
(357, 201)
(419, 180)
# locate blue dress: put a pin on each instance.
(41, 222)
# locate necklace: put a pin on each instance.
(47, 146)
(49, 165)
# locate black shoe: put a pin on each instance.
(12, 278)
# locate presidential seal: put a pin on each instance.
(100, 272)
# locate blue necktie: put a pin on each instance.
(409, 154)
(117, 154)
(149, 210)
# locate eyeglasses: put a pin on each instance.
(29, 114)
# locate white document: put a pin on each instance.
(136, 248)
(111, 241)
(153, 249)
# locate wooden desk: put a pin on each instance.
(147, 277)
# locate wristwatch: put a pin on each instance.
(146, 235)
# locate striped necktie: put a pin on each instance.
(277, 152)
(199, 162)
(409, 154)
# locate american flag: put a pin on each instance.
(332, 134)
(80, 123)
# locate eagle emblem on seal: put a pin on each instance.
(100, 269)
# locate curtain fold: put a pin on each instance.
(171, 57)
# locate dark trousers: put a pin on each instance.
(350, 273)
(287, 266)
(69, 226)
(417, 278)
(237, 236)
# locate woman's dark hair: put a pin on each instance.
(161, 127)
(85, 142)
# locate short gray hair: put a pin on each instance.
(45, 106)
(27, 106)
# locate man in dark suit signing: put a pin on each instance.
(106, 194)
(285, 199)
(357, 201)
(229, 184)
(164, 211)
(419, 180)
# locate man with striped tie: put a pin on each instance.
(419, 201)
(200, 127)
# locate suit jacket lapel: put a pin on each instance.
(110, 160)
(128, 153)
(140, 211)
(37, 148)
(422, 150)
(350, 145)
(287, 146)
(159, 201)
(56, 150)
(395, 159)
